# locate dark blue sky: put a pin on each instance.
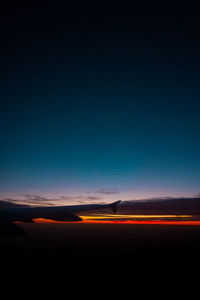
(100, 104)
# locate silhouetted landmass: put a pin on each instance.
(158, 206)
(177, 206)
(7, 203)
(83, 256)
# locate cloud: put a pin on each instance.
(88, 197)
(65, 197)
(27, 200)
(36, 197)
(107, 191)
(38, 200)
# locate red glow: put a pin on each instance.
(156, 222)
(146, 222)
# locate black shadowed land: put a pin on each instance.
(77, 247)
(90, 246)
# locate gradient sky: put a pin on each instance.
(99, 105)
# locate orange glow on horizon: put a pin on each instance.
(117, 216)
(138, 222)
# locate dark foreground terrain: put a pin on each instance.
(78, 252)
(50, 245)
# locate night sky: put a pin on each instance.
(99, 104)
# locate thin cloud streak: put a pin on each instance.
(107, 191)
(38, 200)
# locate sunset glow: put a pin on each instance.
(116, 216)
(148, 222)
(131, 219)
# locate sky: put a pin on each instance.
(99, 104)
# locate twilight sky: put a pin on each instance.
(99, 104)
